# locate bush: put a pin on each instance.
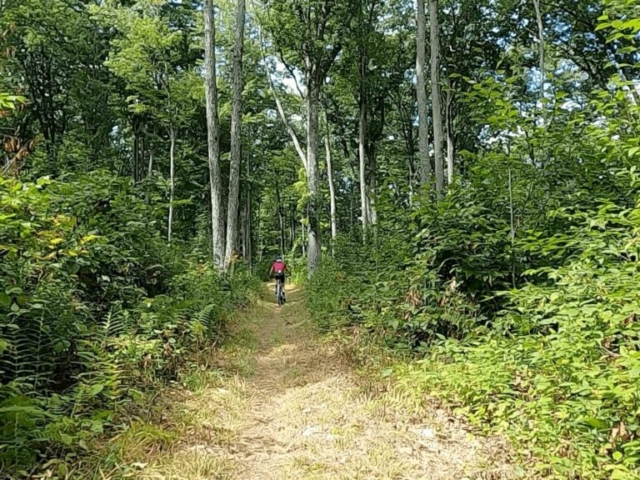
(564, 379)
(557, 367)
(95, 309)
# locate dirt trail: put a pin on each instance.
(293, 409)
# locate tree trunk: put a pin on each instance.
(371, 190)
(213, 136)
(424, 163)
(172, 138)
(292, 227)
(136, 156)
(332, 192)
(362, 126)
(248, 218)
(536, 5)
(259, 232)
(435, 95)
(150, 169)
(313, 93)
(450, 145)
(450, 155)
(236, 137)
(294, 137)
(280, 214)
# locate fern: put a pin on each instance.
(205, 323)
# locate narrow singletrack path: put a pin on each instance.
(294, 408)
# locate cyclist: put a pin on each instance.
(278, 271)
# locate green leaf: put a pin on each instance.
(5, 300)
(596, 423)
(96, 389)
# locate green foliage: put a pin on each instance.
(515, 294)
(96, 310)
(556, 367)
(564, 382)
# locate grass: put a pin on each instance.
(280, 401)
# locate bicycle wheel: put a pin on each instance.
(279, 293)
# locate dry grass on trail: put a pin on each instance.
(293, 408)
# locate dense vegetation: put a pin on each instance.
(457, 180)
(514, 296)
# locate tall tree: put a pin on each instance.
(436, 102)
(310, 33)
(424, 164)
(332, 191)
(362, 139)
(236, 128)
(448, 119)
(213, 135)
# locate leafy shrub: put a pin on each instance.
(558, 369)
(95, 309)
(565, 381)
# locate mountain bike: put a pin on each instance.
(280, 299)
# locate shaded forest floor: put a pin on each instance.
(279, 402)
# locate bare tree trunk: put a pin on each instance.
(150, 169)
(292, 226)
(172, 138)
(371, 201)
(450, 145)
(213, 136)
(450, 155)
(259, 232)
(248, 218)
(435, 95)
(248, 234)
(424, 163)
(362, 138)
(280, 214)
(294, 137)
(136, 156)
(512, 229)
(536, 4)
(332, 192)
(313, 181)
(236, 135)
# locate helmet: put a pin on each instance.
(278, 258)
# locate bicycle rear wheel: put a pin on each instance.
(279, 293)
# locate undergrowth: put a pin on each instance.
(552, 364)
(97, 314)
